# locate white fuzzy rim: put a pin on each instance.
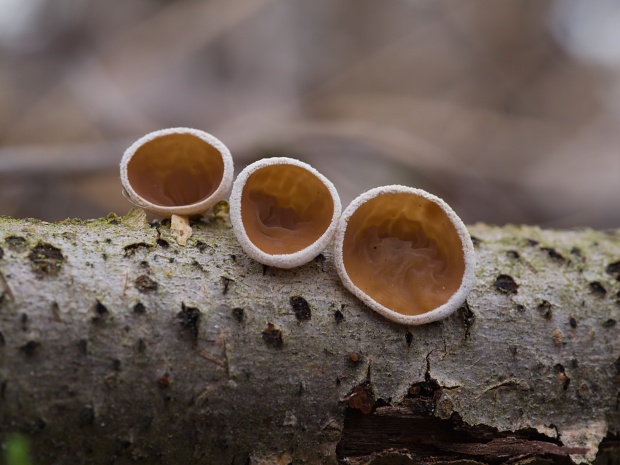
(282, 260)
(453, 303)
(190, 209)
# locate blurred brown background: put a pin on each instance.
(508, 110)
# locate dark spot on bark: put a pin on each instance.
(163, 243)
(513, 255)
(272, 336)
(469, 318)
(614, 269)
(338, 316)
(201, 246)
(573, 322)
(506, 285)
(3, 386)
(83, 346)
(320, 258)
(408, 338)
(553, 254)
(265, 269)
(562, 376)
(520, 308)
(362, 399)
(598, 289)
(2, 340)
(545, 309)
(132, 249)
(617, 365)
(513, 350)
(532, 242)
(116, 364)
(164, 381)
(1, 253)
(139, 308)
(190, 319)
(338, 381)
(104, 256)
(233, 257)
(141, 346)
(354, 357)
(87, 416)
(429, 389)
(610, 323)
(171, 260)
(46, 259)
(301, 388)
(225, 284)
(108, 241)
(16, 243)
(144, 264)
(301, 308)
(238, 313)
(100, 309)
(114, 222)
(476, 241)
(30, 347)
(24, 321)
(39, 424)
(145, 284)
(576, 251)
(574, 363)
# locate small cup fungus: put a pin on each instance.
(405, 254)
(177, 172)
(283, 211)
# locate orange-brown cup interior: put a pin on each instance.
(285, 208)
(175, 169)
(403, 251)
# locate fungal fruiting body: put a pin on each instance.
(283, 211)
(178, 171)
(405, 254)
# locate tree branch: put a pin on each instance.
(117, 345)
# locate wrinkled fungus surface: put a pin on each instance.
(285, 208)
(403, 251)
(175, 169)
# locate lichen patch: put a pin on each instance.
(46, 259)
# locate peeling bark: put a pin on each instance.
(117, 345)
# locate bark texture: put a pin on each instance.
(117, 345)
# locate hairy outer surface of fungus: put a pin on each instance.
(405, 254)
(283, 211)
(179, 171)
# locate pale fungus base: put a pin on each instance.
(405, 253)
(284, 212)
(179, 170)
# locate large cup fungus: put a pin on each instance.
(176, 173)
(405, 254)
(283, 211)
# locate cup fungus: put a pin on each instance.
(177, 172)
(283, 211)
(405, 254)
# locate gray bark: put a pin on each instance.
(117, 345)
